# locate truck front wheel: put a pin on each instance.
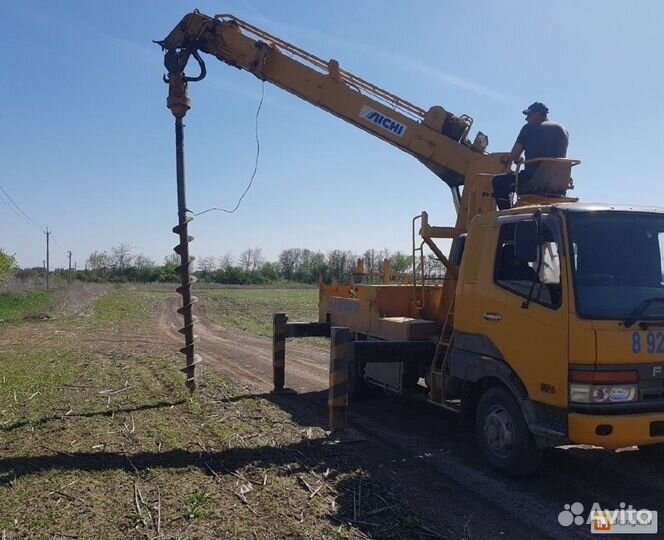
(503, 435)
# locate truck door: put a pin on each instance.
(525, 309)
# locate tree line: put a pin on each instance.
(300, 265)
(121, 263)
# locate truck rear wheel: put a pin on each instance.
(503, 435)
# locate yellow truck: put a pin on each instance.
(548, 327)
(555, 334)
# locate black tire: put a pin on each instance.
(503, 435)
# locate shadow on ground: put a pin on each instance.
(360, 500)
(365, 495)
(91, 414)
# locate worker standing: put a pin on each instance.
(539, 138)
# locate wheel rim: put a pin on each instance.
(499, 432)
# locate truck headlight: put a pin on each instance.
(590, 393)
(603, 386)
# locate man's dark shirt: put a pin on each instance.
(547, 139)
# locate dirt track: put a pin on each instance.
(426, 454)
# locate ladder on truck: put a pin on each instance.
(441, 356)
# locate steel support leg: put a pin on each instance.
(340, 359)
(279, 350)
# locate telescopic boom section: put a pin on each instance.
(436, 137)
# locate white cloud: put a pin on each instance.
(399, 60)
(452, 80)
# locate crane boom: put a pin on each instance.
(435, 137)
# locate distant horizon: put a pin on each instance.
(160, 260)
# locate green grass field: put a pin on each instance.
(14, 307)
(100, 439)
(251, 310)
(127, 307)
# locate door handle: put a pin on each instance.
(493, 316)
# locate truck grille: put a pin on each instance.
(652, 392)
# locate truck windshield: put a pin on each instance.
(618, 264)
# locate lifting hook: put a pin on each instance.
(176, 60)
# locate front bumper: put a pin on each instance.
(616, 431)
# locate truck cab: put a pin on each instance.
(562, 307)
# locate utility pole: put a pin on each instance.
(48, 267)
(69, 273)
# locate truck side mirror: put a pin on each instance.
(526, 239)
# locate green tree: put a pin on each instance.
(168, 271)
(99, 262)
(121, 257)
(311, 266)
(289, 259)
(341, 264)
(8, 266)
(269, 272)
(234, 275)
(401, 262)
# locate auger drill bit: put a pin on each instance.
(178, 102)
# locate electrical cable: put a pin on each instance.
(56, 242)
(14, 207)
(6, 203)
(253, 175)
(20, 209)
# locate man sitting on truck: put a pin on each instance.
(539, 138)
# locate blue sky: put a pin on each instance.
(88, 142)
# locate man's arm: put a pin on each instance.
(515, 154)
(519, 146)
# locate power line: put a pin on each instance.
(55, 241)
(253, 175)
(20, 209)
(14, 207)
(6, 203)
(16, 212)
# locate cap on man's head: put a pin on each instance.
(537, 107)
